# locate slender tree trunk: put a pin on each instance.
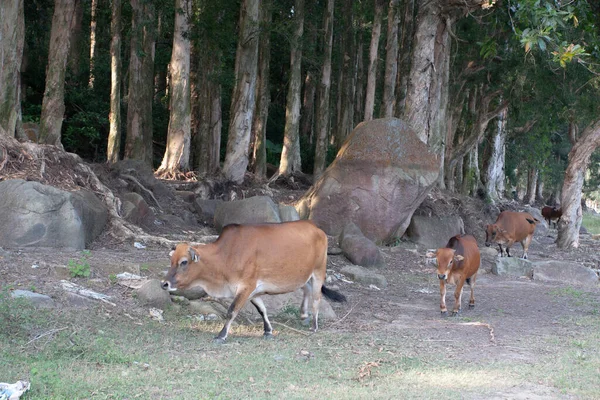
(359, 86)
(114, 135)
(373, 59)
(494, 182)
(532, 176)
(290, 155)
(74, 61)
(346, 85)
(405, 45)
(391, 60)
(94, 8)
(12, 35)
(579, 158)
(322, 122)
(263, 95)
(177, 153)
(539, 191)
(307, 116)
(53, 104)
(138, 144)
(244, 93)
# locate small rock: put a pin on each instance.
(151, 293)
(364, 276)
(156, 314)
(37, 299)
(512, 266)
(334, 251)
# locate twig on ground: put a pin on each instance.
(292, 329)
(491, 329)
(50, 332)
(348, 313)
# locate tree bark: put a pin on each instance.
(373, 59)
(290, 155)
(391, 60)
(244, 93)
(494, 182)
(138, 144)
(53, 104)
(12, 35)
(322, 119)
(307, 116)
(405, 50)
(346, 84)
(263, 96)
(94, 8)
(539, 191)
(532, 176)
(114, 136)
(579, 158)
(359, 84)
(177, 153)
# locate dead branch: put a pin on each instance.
(50, 332)
(348, 313)
(292, 329)
(490, 328)
(143, 188)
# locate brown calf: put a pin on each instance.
(248, 261)
(551, 213)
(511, 227)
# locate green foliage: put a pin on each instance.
(273, 152)
(80, 268)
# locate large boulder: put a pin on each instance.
(434, 232)
(379, 177)
(38, 215)
(358, 249)
(136, 210)
(253, 210)
(206, 208)
(564, 272)
(512, 266)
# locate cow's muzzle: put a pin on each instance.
(441, 276)
(166, 285)
(487, 244)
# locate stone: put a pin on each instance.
(512, 266)
(152, 294)
(364, 276)
(380, 176)
(37, 215)
(358, 249)
(205, 208)
(186, 195)
(288, 213)
(136, 210)
(564, 272)
(207, 308)
(193, 293)
(37, 300)
(253, 210)
(276, 304)
(434, 232)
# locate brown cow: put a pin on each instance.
(511, 227)
(248, 261)
(457, 263)
(551, 213)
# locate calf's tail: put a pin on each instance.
(333, 295)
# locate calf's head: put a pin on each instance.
(494, 234)
(182, 272)
(446, 259)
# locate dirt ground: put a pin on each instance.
(510, 318)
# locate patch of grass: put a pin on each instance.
(591, 222)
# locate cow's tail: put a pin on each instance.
(333, 295)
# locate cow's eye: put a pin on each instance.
(183, 263)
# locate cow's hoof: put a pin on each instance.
(471, 306)
(455, 313)
(305, 321)
(444, 313)
(268, 336)
(219, 340)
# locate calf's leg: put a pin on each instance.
(471, 282)
(260, 307)
(443, 308)
(458, 297)
(236, 305)
(307, 291)
(525, 243)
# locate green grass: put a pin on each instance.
(591, 223)
(100, 354)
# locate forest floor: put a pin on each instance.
(524, 340)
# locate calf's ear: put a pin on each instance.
(430, 254)
(193, 255)
(458, 257)
(171, 253)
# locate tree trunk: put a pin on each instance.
(346, 84)
(290, 155)
(114, 135)
(177, 153)
(94, 8)
(308, 107)
(391, 60)
(244, 93)
(12, 36)
(494, 182)
(263, 95)
(532, 176)
(359, 86)
(74, 61)
(53, 104)
(579, 158)
(373, 59)
(539, 191)
(405, 50)
(138, 144)
(322, 120)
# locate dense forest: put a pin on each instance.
(504, 91)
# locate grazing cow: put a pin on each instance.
(552, 213)
(457, 263)
(511, 227)
(248, 261)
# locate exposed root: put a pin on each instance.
(143, 188)
(490, 328)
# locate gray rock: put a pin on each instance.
(180, 300)
(78, 301)
(136, 210)
(358, 249)
(186, 195)
(381, 174)
(276, 304)
(207, 308)
(364, 276)
(434, 232)
(564, 272)
(193, 293)
(334, 251)
(151, 294)
(38, 215)
(288, 213)
(253, 210)
(205, 208)
(512, 266)
(37, 299)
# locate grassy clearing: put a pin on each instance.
(96, 354)
(591, 223)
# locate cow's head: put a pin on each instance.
(182, 272)
(445, 258)
(494, 234)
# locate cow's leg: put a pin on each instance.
(501, 250)
(525, 243)
(260, 307)
(316, 284)
(236, 305)
(443, 308)
(458, 297)
(307, 290)
(471, 282)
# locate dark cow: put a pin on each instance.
(552, 213)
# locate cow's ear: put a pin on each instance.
(430, 254)
(171, 253)
(500, 230)
(194, 256)
(458, 257)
